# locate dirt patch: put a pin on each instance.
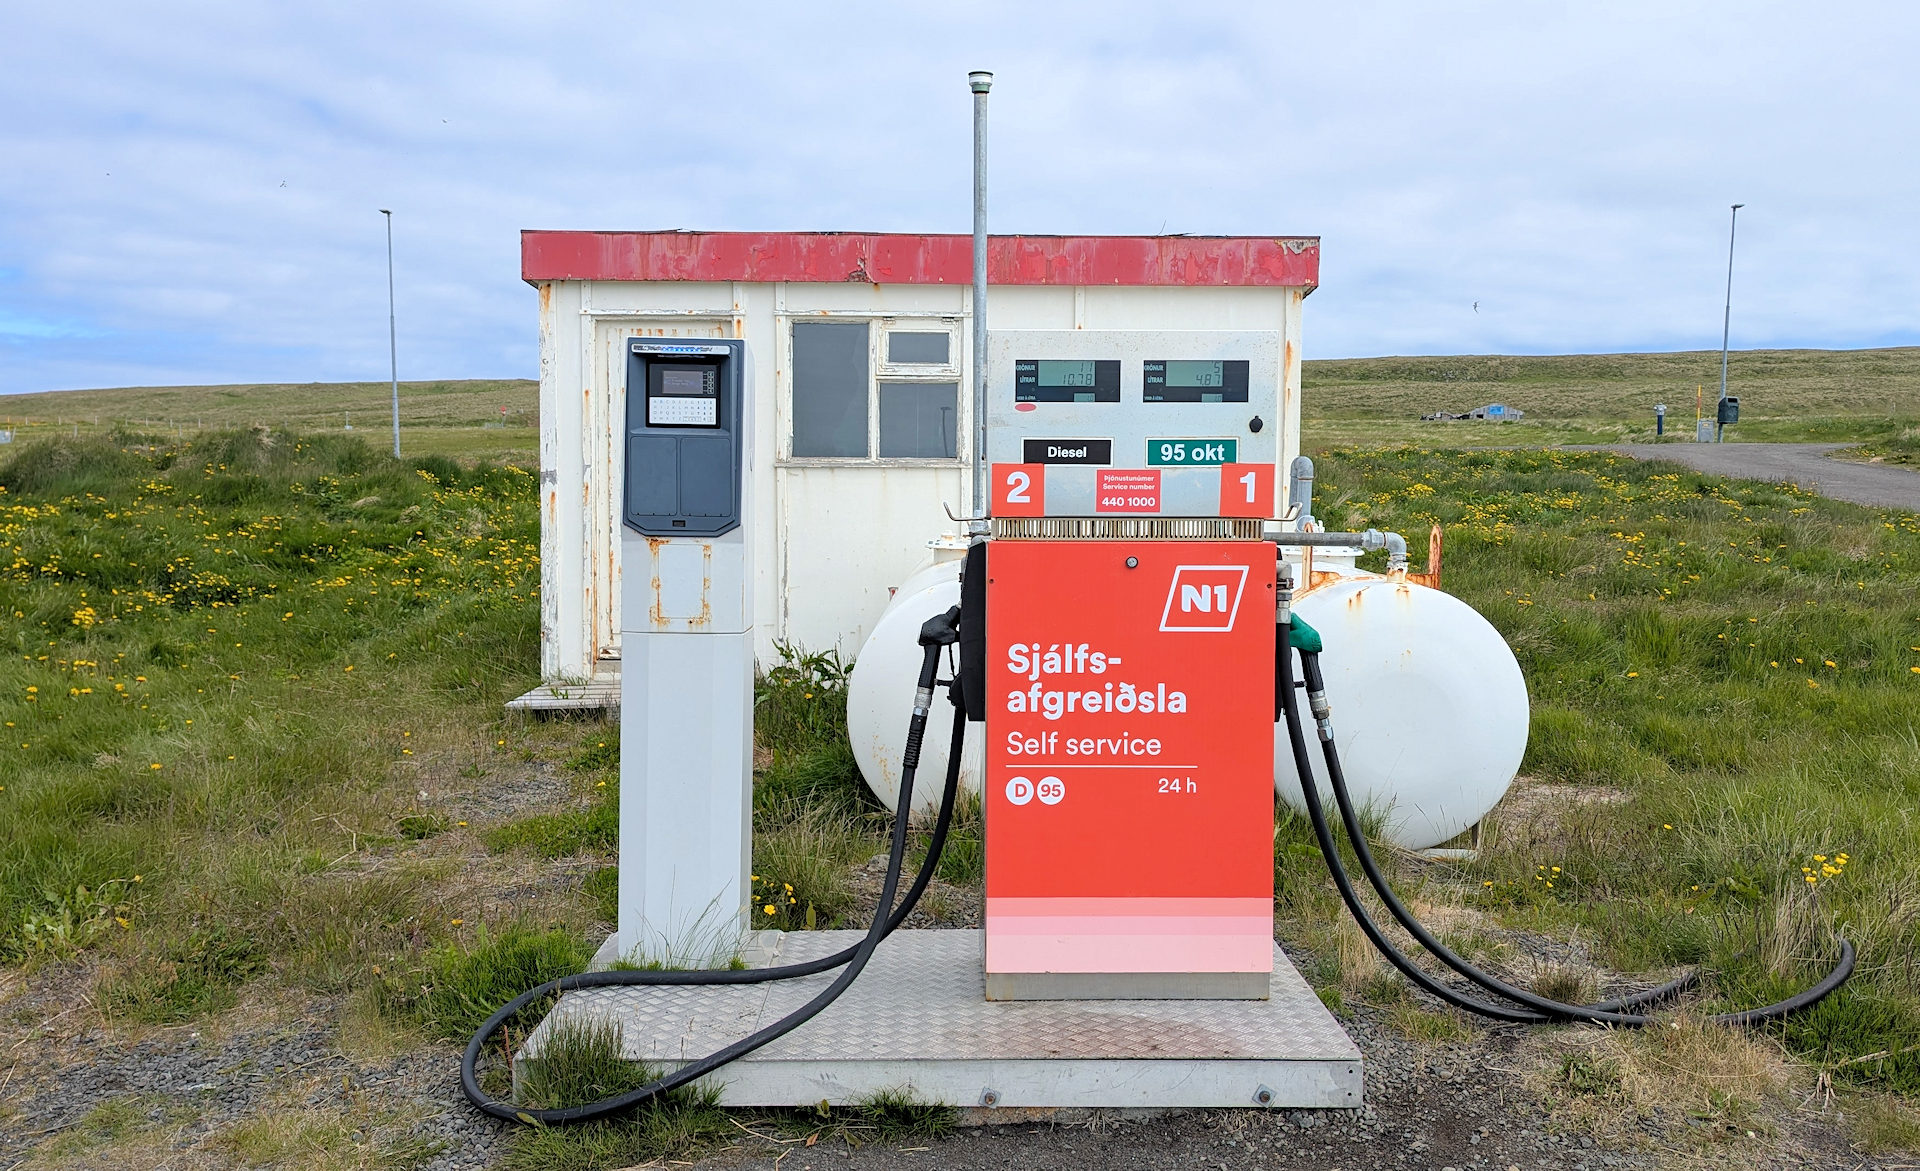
(1535, 810)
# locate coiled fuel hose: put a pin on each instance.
(1295, 635)
(939, 632)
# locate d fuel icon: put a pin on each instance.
(1019, 790)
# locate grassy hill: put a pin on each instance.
(1865, 395)
(476, 418)
(1605, 398)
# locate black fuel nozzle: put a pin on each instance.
(941, 629)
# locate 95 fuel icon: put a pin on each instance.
(1050, 790)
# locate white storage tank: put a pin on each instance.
(1430, 710)
(880, 691)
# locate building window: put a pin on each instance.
(906, 346)
(830, 389)
(918, 420)
(875, 389)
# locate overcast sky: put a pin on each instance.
(188, 191)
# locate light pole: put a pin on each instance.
(1726, 324)
(393, 349)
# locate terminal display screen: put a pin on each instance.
(683, 395)
(1052, 380)
(1184, 380)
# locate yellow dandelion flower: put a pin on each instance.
(768, 908)
(155, 764)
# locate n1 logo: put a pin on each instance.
(1203, 598)
(1200, 597)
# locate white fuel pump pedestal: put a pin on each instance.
(686, 676)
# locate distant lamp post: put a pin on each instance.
(1726, 325)
(393, 349)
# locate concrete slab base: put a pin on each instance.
(917, 1021)
(600, 693)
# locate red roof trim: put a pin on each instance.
(919, 260)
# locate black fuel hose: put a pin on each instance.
(938, 632)
(1549, 1010)
(1607, 1011)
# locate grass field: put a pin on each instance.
(1813, 395)
(472, 419)
(256, 753)
(229, 664)
(1786, 395)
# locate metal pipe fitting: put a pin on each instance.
(1393, 543)
(1396, 553)
(1300, 490)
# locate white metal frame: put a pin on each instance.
(880, 370)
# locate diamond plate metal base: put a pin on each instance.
(917, 1020)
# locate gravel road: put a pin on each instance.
(1805, 464)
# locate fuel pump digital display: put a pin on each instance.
(683, 395)
(1194, 381)
(1044, 380)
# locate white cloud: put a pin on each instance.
(191, 190)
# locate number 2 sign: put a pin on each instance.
(1019, 489)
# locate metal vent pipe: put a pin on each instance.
(980, 82)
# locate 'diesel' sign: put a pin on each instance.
(1129, 784)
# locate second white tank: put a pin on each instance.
(1430, 710)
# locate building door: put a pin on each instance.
(606, 413)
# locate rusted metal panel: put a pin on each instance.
(882, 259)
(566, 650)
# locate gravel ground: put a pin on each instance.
(1461, 1105)
(213, 1081)
(1805, 464)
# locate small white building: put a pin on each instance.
(861, 357)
